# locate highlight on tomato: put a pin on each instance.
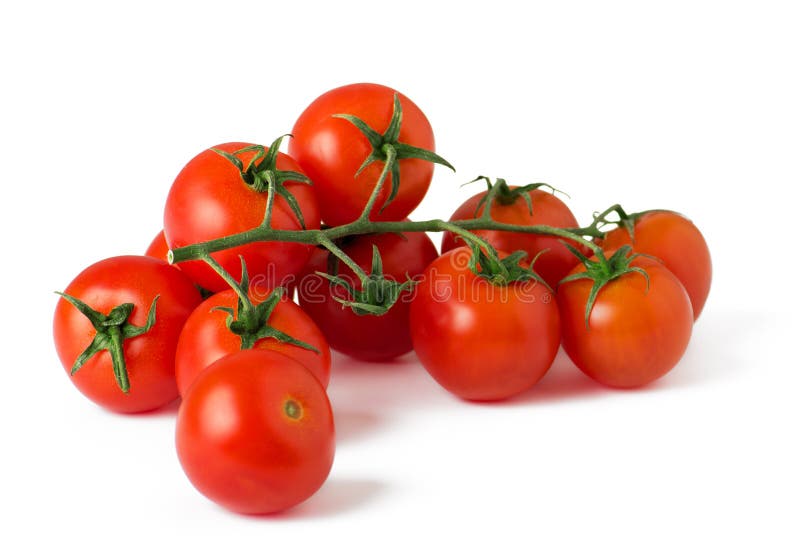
(255, 432)
(361, 335)
(626, 321)
(345, 138)
(676, 241)
(486, 328)
(116, 329)
(525, 206)
(224, 191)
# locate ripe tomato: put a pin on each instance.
(255, 432)
(678, 243)
(547, 209)
(331, 150)
(209, 199)
(149, 357)
(367, 337)
(158, 248)
(479, 340)
(206, 338)
(635, 334)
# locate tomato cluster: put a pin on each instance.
(292, 255)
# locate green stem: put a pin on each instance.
(328, 244)
(270, 199)
(243, 297)
(118, 358)
(391, 158)
(325, 237)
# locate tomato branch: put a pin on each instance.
(326, 236)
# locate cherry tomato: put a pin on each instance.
(635, 334)
(149, 357)
(255, 432)
(331, 150)
(678, 243)
(206, 338)
(479, 340)
(209, 199)
(158, 248)
(369, 338)
(547, 209)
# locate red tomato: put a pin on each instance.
(209, 199)
(206, 338)
(478, 340)
(149, 357)
(635, 334)
(158, 248)
(255, 432)
(547, 209)
(678, 243)
(331, 150)
(370, 338)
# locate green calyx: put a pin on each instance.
(112, 330)
(601, 221)
(501, 193)
(262, 175)
(387, 148)
(251, 321)
(486, 263)
(603, 271)
(377, 294)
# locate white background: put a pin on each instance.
(693, 106)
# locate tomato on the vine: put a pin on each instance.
(482, 340)
(365, 337)
(638, 328)
(510, 206)
(255, 432)
(158, 248)
(331, 150)
(207, 336)
(130, 303)
(677, 242)
(212, 198)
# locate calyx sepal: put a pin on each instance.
(251, 321)
(112, 330)
(262, 175)
(605, 270)
(377, 294)
(386, 147)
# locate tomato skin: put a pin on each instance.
(210, 200)
(480, 341)
(331, 150)
(236, 442)
(205, 338)
(678, 243)
(158, 248)
(367, 338)
(547, 209)
(150, 357)
(636, 335)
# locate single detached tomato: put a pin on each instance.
(678, 243)
(635, 334)
(212, 198)
(512, 208)
(366, 337)
(255, 432)
(207, 337)
(478, 339)
(331, 150)
(118, 296)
